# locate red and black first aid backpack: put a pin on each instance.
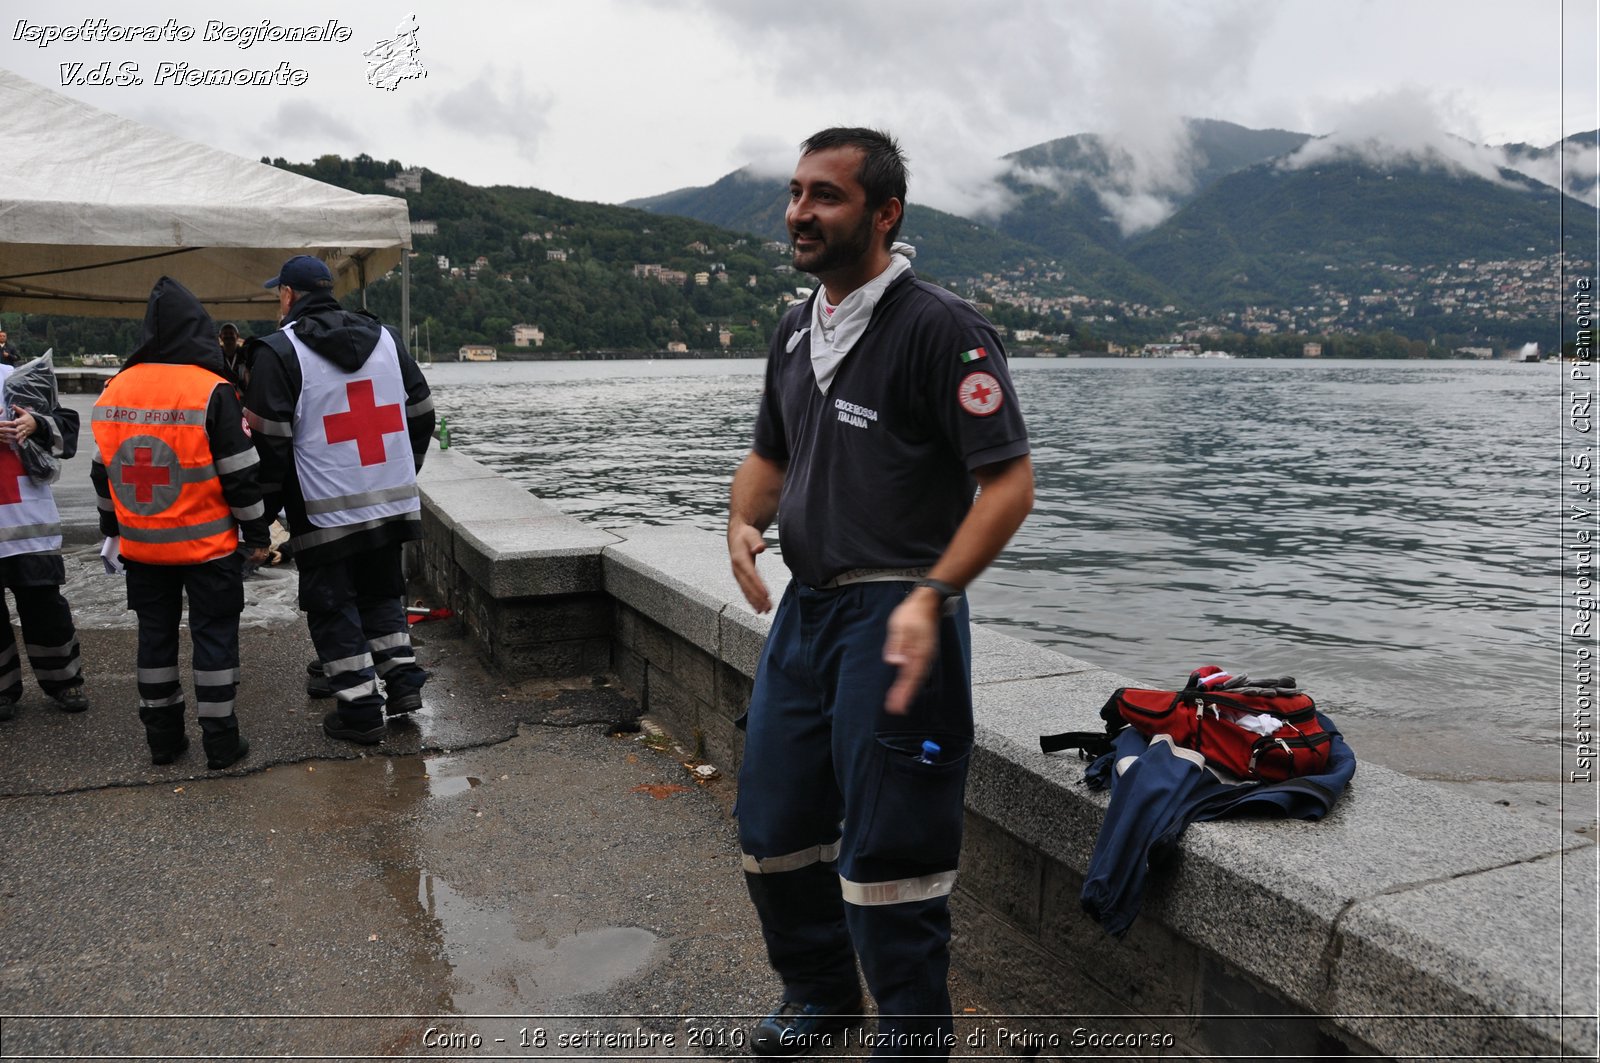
(1209, 715)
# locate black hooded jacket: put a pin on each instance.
(346, 338)
(178, 331)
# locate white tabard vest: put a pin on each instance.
(351, 447)
(29, 520)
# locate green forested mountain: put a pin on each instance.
(1267, 235)
(568, 267)
(1057, 183)
(504, 256)
(1339, 246)
(1252, 246)
(948, 247)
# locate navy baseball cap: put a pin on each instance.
(304, 274)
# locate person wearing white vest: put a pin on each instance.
(31, 565)
(342, 417)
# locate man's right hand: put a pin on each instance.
(744, 543)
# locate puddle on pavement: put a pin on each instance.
(498, 972)
(495, 969)
(444, 780)
(450, 785)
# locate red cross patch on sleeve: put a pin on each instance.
(979, 394)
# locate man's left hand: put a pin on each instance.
(912, 642)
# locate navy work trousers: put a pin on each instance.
(851, 840)
(48, 633)
(356, 611)
(215, 590)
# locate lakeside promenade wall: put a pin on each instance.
(1409, 922)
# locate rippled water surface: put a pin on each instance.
(1385, 532)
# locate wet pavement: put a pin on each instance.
(500, 855)
(503, 878)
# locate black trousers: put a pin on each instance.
(48, 634)
(215, 591)
(355, 609)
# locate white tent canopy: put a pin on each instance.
(94, 208)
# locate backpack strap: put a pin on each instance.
(1090, 744)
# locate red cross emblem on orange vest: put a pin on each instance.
(144, 476)
(11, 473)
(365, 423)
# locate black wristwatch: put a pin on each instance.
(949, 597)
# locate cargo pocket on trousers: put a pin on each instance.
(918, 811)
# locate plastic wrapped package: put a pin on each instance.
(32, 386)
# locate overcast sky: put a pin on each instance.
(614, 99)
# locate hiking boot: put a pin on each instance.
(318, 685)
(218, 757)
(71, 699)
(403, 701)
(163, 731)
(795, 1029)
(334, 726)
(167, 754)
(223, 743)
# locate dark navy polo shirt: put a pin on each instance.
(877, 471)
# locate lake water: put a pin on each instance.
(1385, 532)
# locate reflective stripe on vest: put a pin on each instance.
(29, 520)
(150, 430)
(352, 449)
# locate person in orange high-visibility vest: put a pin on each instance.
(175, 472)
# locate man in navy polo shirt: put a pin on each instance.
(887, 404)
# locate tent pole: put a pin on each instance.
(405, 296)
(361, 275)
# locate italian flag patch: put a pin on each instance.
(976, 354)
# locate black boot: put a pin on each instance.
(225, 746)
(163, 729)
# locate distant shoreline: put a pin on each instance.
(1014, 355)
(753, 355)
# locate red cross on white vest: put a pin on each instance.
(11, 474)
(144, 475)
(365, 423)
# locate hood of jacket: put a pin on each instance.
(177, 330)
(343, 337)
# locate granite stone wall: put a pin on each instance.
(1409, 922)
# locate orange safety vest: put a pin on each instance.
(150, 428)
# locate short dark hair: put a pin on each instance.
(883, 165)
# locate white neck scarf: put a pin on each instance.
(832, 335)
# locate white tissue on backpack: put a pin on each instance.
(1261, 724)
